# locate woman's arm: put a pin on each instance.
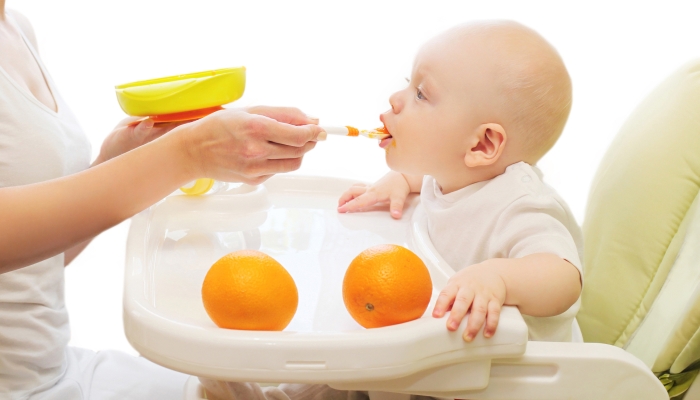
(70, 254)
(125, 137)
(45, 219)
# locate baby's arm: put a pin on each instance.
(540, 285)
(392, 188)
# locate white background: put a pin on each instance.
(337, 61)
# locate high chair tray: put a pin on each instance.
(172, 244)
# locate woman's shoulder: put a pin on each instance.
(24, 24)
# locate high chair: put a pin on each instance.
(640, 313)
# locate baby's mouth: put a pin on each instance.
(386, 141)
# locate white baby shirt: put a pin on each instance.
(510, 216)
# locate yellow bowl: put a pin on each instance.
(174, 94)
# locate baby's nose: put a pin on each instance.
(395, 102)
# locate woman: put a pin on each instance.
(52, 202)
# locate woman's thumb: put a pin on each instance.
(143, 128)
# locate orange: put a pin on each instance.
(386, 285)
(249, 290)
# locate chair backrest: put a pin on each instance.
(642, 231)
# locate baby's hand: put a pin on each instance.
(128, 135)
(477, 287)
(392, 188)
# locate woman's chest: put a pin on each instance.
(35, 144)
(21, 66)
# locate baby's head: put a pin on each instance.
(482, 96)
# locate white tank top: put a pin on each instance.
(36, 144)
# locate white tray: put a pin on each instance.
(172, 244)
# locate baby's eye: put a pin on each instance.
(419, 94)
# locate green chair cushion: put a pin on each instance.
(673, 318)
(642, 191)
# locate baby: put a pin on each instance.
(485, 102)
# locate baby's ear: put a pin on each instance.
(486, 145)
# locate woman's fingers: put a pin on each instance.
(270, 167)
(232, 143)
(161, 128)
(280, 152)
(147, 130)
(142, 129)
(288, 115)
(130, 121)
(290, 135)
(254, 181)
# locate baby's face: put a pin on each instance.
(432, 118)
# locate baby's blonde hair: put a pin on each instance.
(536, 90)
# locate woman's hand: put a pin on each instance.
(287, 115)
(228, 145)
(249, 146)
(128, 135)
